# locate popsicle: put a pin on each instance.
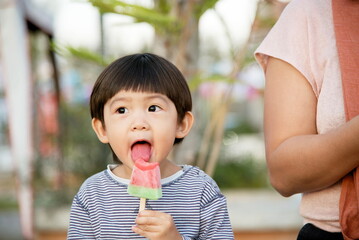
(145, 180)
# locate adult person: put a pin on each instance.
(310, 143)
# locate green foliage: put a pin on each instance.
(141, 14)
(81, 53)
(202, 8)
(83, 152)
(266, 22)
(198, 79)
(7, 203)
(82, 156)
(243, 127)
(241, 173)
(49, 198)
(163, 6)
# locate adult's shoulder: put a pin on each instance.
(306, 6)
(303, 36)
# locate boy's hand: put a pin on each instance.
(156, 225)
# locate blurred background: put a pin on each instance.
(51, 52)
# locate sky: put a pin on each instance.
(77, 23)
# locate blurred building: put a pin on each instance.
(23, 24)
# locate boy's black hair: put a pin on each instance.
(145, 72)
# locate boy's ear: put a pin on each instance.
(185, 125)
(99, 130)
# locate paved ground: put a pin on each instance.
(265, 210)
(9, 219)
(267, 235)
(9, 226)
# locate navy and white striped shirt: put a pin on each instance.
(102, 209)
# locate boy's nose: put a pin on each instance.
(140, 124)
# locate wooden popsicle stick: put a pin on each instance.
(142, 204)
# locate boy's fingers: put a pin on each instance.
(145, 230)
(138, 230)
(144, 221)
(149, 221)
(150, 213)
(152, 217)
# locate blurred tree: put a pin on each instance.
(175, 23)
(177, 38)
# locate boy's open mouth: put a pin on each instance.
(141, 150)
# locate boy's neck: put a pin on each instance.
(168, 168)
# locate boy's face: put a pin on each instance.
(131, 117)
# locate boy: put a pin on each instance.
(144, 99)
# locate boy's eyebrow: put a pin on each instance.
(128, 99)
(119, 99)
(157, 95)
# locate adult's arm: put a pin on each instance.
(298, 158)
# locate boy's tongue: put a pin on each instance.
(141, 151)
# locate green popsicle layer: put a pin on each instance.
(143, 192)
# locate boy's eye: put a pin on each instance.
(122, 110)
(153, 108)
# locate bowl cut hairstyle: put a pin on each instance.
(144, 72)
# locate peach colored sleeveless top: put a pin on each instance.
(304, 37)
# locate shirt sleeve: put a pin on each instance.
(80, 225)
(291, 39)
(186, 238)
(215, 223)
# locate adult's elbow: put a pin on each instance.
(281, 185)
(282, 190)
